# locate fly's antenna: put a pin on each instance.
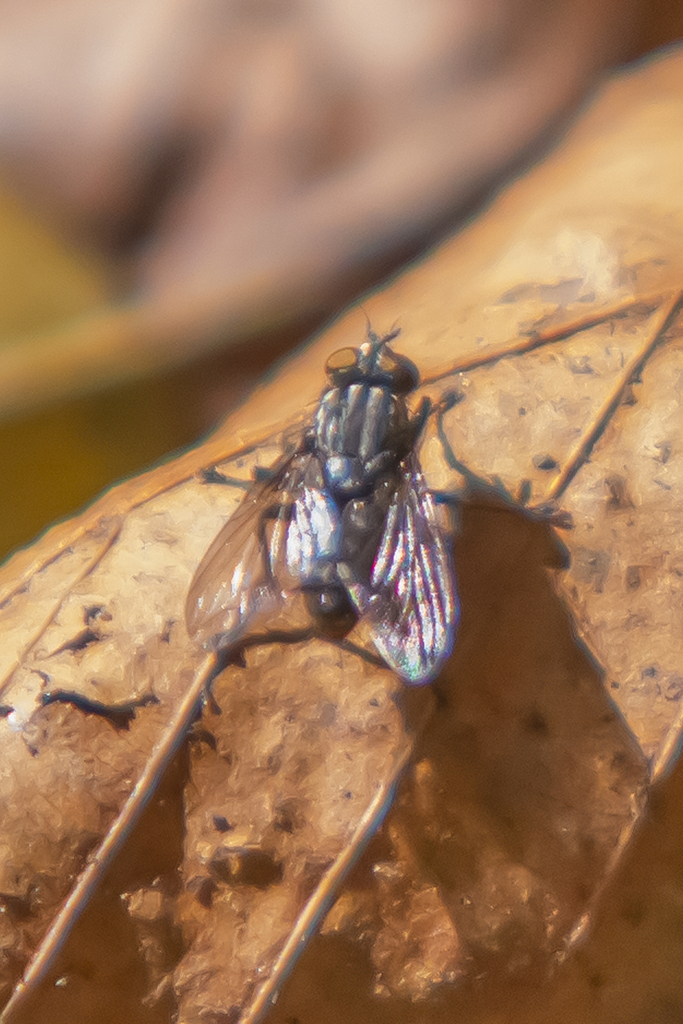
(374, 341)
(372, 349)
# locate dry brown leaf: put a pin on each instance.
(530, 770)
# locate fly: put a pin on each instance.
(347, 522)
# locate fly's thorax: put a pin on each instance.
(362, 432)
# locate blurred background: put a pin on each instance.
(189, 189)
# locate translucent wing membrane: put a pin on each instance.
(313, 535)
(278, 539)
(411, 603)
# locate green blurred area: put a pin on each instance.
(55, 460)
(42, 280)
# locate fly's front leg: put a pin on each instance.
(418, 421)
(493, 487)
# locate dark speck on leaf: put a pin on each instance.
(664, 449)
(633, 577)
(674, 690)
(80, 642)
(94, 612)
(246, 867)
(222, 824)
(203, 890)
(537, 723)
(581, 365)
(618, 498)
(545, 462)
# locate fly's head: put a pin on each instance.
(374, 363)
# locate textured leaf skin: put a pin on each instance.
(553, 713)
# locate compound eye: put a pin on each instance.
(342, 363)
(403, 373)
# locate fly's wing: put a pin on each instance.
(272, 544)
(411, 605)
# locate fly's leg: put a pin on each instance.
(211, 475)
(473, 482)
(546, 512)
(419, 419)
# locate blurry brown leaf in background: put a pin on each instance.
(240, 165)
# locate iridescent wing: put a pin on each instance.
(274, 542)
(411, 603)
